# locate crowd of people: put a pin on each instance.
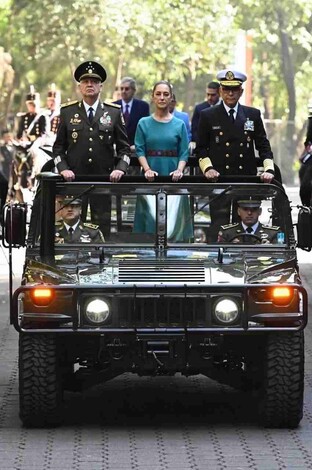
(88, 137)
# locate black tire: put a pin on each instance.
(40, 384)
(281, 404)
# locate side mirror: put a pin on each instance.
(304, 228)
(14, 225)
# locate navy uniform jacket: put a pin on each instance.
(266, 233)
(139, 109)
(230, 146)
(89, 149)
(195, 119)
(24, 123)
(84, 233)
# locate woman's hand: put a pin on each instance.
(150, 174)
(176, 174)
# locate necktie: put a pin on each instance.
(126, 114)
(91, 115)
(231, 114)
(249, 230)
(70, 233)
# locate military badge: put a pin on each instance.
(106, 120)
(229, 75)
(75, 120)
(249, 125)
(74, 135)
(216, 127)
(217, 139)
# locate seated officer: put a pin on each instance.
(71, 229)
(249, 229)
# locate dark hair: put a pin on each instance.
(214, 85)
(163, 82)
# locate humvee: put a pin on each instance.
(153, 303)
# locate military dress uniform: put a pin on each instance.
(83, 233)
(227, 146)
(266, 233)
(31, 125)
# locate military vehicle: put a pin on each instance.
(155, 299)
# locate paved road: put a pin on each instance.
(161, 423)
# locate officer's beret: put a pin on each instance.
(231, 78)
(71, 201)
(249, 202)
(90, 69)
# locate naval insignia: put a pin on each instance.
(229, 75)
(74, 135)
(249, 125)
(106, 120)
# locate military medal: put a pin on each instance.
(249, 125)
(106, 120)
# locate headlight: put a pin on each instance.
(97, 311)
(226, 311)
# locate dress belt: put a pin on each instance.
(162, 153)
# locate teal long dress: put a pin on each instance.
(164, 145)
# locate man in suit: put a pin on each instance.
(70, 229)
(228, 133)
(212, 98)
(181, 115)
(132, 108)
(249, 229)
(88, 133)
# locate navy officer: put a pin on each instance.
(228, 133)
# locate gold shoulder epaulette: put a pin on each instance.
(224, 227)
(114, 105)
(274, 227)
(91, 226)
(69, 103)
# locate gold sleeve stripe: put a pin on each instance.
(204, 163)
(268, 164)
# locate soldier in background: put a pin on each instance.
(32, 124)
(305, 172)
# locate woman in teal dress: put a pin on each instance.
(161, 145)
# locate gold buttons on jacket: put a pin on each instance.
(91, 129)
(227, 144)
(240, 167)
(227, 167)
(227, 155)
(90, 149)
(241, 144)
(241, 155)
(90, 160)
(90, 138)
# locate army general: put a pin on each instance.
(87, 133)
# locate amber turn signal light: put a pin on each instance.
(282, 295)
(42, 296)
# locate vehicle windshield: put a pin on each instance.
(168, 214)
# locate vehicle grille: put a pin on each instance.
(163, 271)
(163, 310)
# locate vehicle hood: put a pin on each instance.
(175, 267)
